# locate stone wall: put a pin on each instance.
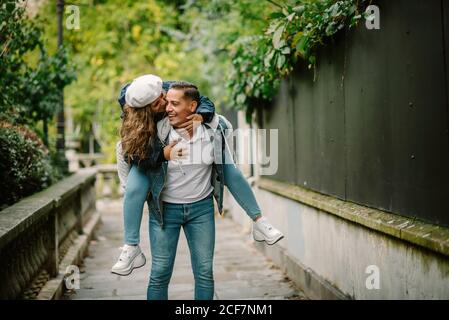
(37, 233)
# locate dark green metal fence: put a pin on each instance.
(373, 126)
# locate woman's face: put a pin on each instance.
(160, 104)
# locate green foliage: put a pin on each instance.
(17, 37)
(30, 91)
(46, 81)
(294, 31)
(220, 28)
(31, 82)
(25, 167)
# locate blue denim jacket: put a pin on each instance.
(218, 127)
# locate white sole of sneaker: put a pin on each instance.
(259, 238)
(137, 263)
(273, 241)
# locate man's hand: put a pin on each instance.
(193, 122)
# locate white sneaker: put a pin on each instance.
(264, 231)
(130, 258)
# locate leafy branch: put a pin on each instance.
(294, 31)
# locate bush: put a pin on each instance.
(25, 166)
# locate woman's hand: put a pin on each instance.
(174, 152)
(193, 122)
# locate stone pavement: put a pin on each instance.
(240, 271)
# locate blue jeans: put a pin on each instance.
(138, 185)
(241, 190)
(239, 187)
(197, 220)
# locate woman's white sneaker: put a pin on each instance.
(264, 231)
(130, 258)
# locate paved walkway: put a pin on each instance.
(241, 272)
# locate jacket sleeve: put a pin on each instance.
(154, 156)
(122, 166)
(206, 109)
(166, 85)
(226, 131)
(121, 97)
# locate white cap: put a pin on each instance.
(143, 91)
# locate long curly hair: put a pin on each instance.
(137, 131)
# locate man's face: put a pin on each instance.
(179, 107)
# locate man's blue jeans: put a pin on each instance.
(197, 220)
